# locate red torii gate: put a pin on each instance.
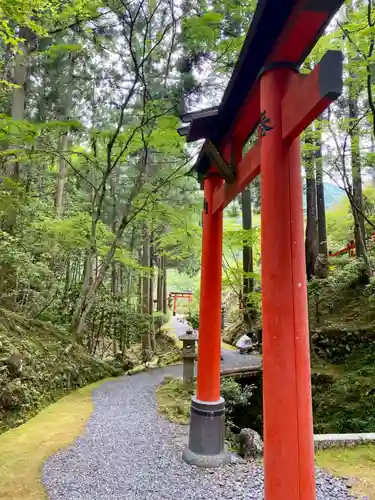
(350, 247)
(180, 295)
(267, 93)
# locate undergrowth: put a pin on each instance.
(342, 326)
(40, 362)
(174, 400)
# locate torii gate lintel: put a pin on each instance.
(323, 86)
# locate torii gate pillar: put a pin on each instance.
(207, 423)
(288, 429)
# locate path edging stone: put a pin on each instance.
(324, 441)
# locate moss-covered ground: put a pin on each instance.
(23, 450)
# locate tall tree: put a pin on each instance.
(322, 263)
(247, 255)
(357, 204)
(311, 241)
(65, 112)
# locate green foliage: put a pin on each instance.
(174, 401)
(94, 196)
(347, 404)
(237, 398)
(234, 239)
(342, 319)
(340, 219)
(204, 28)
(193, 319)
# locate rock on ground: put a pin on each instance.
(128, 452)
(251, 444)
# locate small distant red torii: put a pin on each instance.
(350, 247)
(179, 295)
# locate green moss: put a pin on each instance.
(345, 403)
(356, 463)
(39, 363)
(24, 450)
(173, 398)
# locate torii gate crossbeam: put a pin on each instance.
(265, 92)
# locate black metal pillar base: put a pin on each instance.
(174, 314)
(207, 434)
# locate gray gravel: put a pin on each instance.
(129, 452)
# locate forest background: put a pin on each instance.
(100, 213)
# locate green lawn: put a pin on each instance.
(357, 463)
(23, 450)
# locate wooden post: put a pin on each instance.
(207, 423)
(208, 383)
(288, 431)
(174, 305)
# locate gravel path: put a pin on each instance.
(128, 452)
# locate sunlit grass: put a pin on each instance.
(357, 463)
(23, 450)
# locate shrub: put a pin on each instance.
(347, 404)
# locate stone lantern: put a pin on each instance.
(189, 354)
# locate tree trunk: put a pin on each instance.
(357, 205)
(146, 337)
(368, 268)
(78, 318)
(159, 286)
(127, 280)
(311, 241)
(247, 256)
(139, 284)
(18, 94)
(116, 293)
(64, 144)
(373, 164)
(151, 278)
(165, 292)
(115, 300)
(151, 293)
(322, 262)
(87, 296)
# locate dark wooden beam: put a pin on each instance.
(220, 164)
(183, 131)
(195, 115)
